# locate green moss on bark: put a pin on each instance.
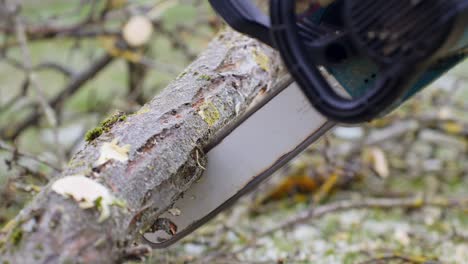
(105, 126)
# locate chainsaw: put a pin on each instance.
(381, 52)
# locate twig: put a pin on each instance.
(366, 203)
(405, 259)
(55, 66)
(176, 41)
(4, 146)
(49, 112)
(21, 95)
(42, 32)
(71, 88)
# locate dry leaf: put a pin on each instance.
(379, 162)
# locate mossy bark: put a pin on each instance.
(166, 140)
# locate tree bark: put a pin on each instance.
(155, 155)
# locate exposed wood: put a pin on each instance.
(145, 160)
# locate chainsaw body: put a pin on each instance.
(382, 52)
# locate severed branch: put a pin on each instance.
(139, 164)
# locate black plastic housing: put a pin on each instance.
(402, 38)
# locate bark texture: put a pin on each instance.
(157, 154)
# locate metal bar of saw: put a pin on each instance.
(261, 144)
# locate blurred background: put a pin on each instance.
(391, 191)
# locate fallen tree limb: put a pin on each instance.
(134, 167)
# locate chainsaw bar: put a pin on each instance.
(268, 138)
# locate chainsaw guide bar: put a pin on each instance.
(255, 149)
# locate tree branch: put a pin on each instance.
(141, 163)
(370, 203)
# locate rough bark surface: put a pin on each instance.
(165, 142)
